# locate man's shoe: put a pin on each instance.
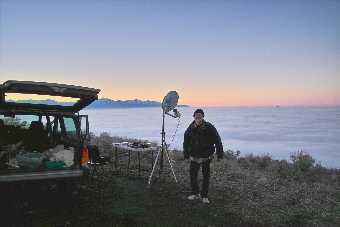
(205, 200)
(193, 197)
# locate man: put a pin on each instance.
(200, 141)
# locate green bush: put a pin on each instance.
(302, 161)
(284, 169)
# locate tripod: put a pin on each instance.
(161, 152)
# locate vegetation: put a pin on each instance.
(245, 191)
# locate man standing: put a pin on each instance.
(200, 141)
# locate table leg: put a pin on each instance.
(128, 167)
(139, 163)
(116, 158)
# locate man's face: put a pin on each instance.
(198, 118)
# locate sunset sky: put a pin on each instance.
(214, 53)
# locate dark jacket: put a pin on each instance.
(201, 141)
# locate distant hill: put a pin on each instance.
(136, 103)
(109, 103)
(102, 103)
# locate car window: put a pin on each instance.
(22, 121)
(70, 126)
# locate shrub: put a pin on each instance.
(255, 162)
(302, 161)
(230, 154)
(285, 169)
(264, 161)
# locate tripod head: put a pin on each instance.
(176, 114)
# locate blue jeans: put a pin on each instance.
(194, 168)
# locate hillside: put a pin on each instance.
(103, 103)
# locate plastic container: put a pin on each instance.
(52, 165)
(30, 160)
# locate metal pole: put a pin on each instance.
(159, 152)
(171, 166)
(153, 169)
(162, 149)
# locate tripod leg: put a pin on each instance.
(154, 166)
(172, 168)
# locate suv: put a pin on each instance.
(45, 139)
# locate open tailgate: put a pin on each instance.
(85, 95)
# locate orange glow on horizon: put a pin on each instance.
(214, 98)
(259, 103)
(17, 96)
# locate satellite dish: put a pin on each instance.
(170, 101)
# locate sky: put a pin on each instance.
(213, 53)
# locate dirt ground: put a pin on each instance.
(243, 192)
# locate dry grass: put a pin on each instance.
(270, 192)
(245, 191)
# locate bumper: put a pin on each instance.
(41, 175)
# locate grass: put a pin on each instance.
(244, 191)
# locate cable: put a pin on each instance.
(172, 139)
(173, 136)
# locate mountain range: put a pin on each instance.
(102, 103)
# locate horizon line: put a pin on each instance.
(205, 105)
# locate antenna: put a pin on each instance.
(169, 103)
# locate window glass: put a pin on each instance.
(70, 126)
(22, 121)
(44, 120)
